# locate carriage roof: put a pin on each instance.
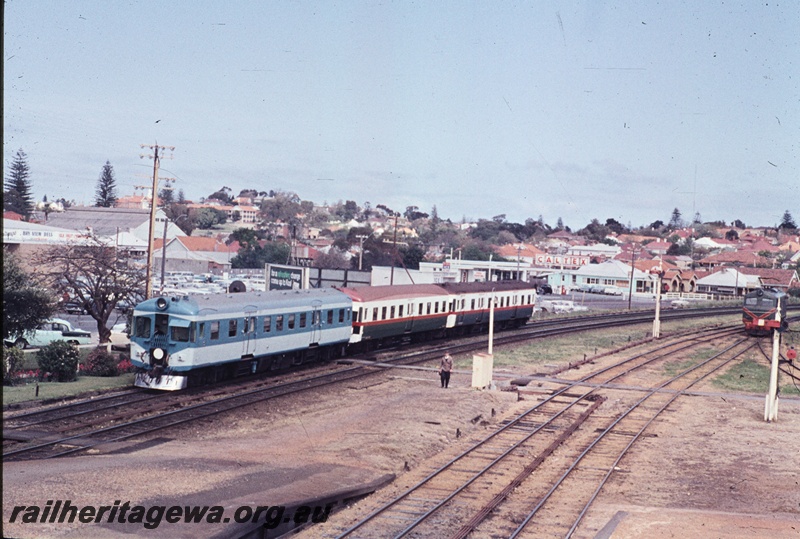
(239, 303)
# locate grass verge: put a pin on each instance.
(57, 390)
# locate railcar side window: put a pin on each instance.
(290, 322)
(279, 323)
(429, 307)
(214, 330)
(400, 311)
(391, 312)
(383, 314)
(374, 313)
(315, 318)
(179, 334)
(232, 327)
(250, 325)
(201, 331)
(267, 324)
(302, 320)
(341, 315)
(330, 316)
(142, 327)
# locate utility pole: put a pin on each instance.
(391, 276)
(633, 268)
(153, 208)
(361, 238)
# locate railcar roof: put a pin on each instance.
(377, 293)
(247, 301)
(486, 286)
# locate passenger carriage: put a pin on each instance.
(211, 337)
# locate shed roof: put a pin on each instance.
(102, 221)
(377, 293)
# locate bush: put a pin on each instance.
(58, 361)
(12, 363)
(125, 366)
(100, 362)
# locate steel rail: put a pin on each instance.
(569, 385)
(634, 438)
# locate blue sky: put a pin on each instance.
(576, 110)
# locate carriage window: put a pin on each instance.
(214, 331)
(356, 316)
(267, 324)
(420, 311)
(341, 315)
(429, 307)
(315, 318)
(391, 312)
(233, 325)
(383, 313)
(142, 327)
(249, 325)
(330, 316)
(302, 320)
(201, 331)
(472, 303)
(436, 307)
(279, 323)
(290, 322)
(179, 334)
(374, 313)
(400, 311)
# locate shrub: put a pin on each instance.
(100, 362)
(58, 361)
(125, 366)
(12, 362)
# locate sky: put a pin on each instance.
(571, 110)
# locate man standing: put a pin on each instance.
(445, 366)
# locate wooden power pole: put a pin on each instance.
(153, 208)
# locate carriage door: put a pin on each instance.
(249, 339)
(316, 323)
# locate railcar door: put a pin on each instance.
(315, 335)
(249, 340)
(409, 318)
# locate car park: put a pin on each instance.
(53, 330)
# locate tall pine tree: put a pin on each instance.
(106, 194)
(17, 194)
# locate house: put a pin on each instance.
(611, 274)
(742, 257)
(783, 279)
(519, 251)
(728, 282)
(197, 254)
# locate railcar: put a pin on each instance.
(212, 337)
(391, 314)
(764, 310)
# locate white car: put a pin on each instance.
(120, 337)
(680, 304)
(560, 306)
(55, 329)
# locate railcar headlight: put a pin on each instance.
(158, 354)
(161, 304)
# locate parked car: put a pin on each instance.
(612, 291)
(120, 337)
(560, 306)
(53, 330)
(544, 289)
(74, 307)
(680, 304)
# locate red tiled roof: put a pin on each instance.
(205, 244)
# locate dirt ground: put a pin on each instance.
(711, 468)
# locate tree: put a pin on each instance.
(206, 218)
(282, 207)
(25, 305)
(106, 193)
(254, 255)
(18, 196)
(559, 224)
(739, 224)
(223, 195)
(333, 259)
(787, 222)
(181, 197)
(167, 197)
(95, 275)
(675, 221)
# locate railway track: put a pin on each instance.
(76, 427)
(509, 477)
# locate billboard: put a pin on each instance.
(280, 277)
(561, 260)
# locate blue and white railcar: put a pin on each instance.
(212, 337)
